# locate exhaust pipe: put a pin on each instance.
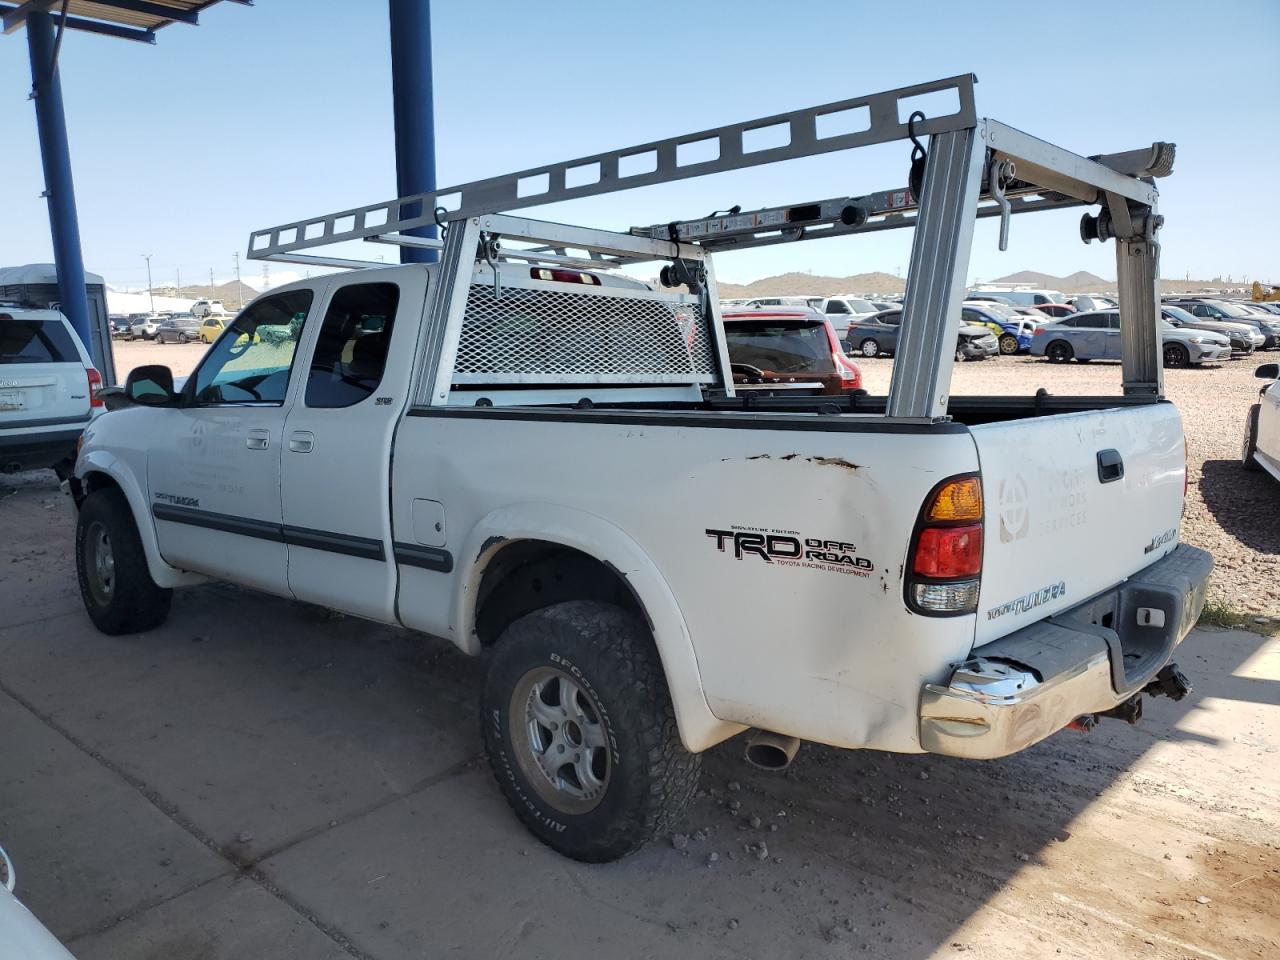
(771, 751)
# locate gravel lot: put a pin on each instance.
(1233, 514)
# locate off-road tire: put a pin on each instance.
(610, 654)
(1250, 446)
(135, 603)
(1059, 351)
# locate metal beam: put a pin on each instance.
(18, 16)
(55, 154)
(14, 17)
(936, 277)
(191, 17)
(413, 112)
(1138, 283)
(732, 147)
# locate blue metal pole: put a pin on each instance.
(413, 109)
(56, 157)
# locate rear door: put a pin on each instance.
(42, 376)
(1112, 343)
(1074, 504)
(336, 458)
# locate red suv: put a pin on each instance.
(792, 348)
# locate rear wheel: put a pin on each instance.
(580, 731)
(959, 354)
(1008, 343)
(1059, 351)
(111, 565)
(1250, 446)
(869, 348)
(1175, 355)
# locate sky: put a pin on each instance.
(281, 111)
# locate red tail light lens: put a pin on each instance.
(564, 276)
(946, 552)
(95, 384)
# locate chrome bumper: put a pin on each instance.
(1017, 690)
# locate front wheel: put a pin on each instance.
(111, 565)
(580, 731)
(1176, 356)
(1008, 344)
(1249, 449)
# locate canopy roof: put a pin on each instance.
(126, 19)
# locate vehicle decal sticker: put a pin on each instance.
(1029, 601)
(788, 548)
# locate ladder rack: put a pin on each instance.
(974, 167)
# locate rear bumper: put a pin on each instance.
(1017, 690)
(37, 448)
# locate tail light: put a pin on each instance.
(95, 384)
(946, 550)
(849, 372)
(564, 276)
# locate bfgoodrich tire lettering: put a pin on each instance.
(111, 566)
(610, 657)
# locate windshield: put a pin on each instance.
(780, 347)
(1177, 313)
(1000, 309)
(860, 306)
(1231, 310)
(1056, 298)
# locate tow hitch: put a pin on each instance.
(1169, 682)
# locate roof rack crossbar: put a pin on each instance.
(796, 134)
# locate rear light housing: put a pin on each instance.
(564, 276)
(945, 572)
(95, 384)
(849, 372)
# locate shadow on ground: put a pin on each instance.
(1243, 503)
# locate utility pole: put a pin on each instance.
(177, 273)
(211, 283)
(239, 290)
(150, 295)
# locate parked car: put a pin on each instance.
(183, 328)
(1026, 297)
(1244, 338)
(878, 335)
(22, 936)
(212, 326)
(1091, 301)
(886, 304)
(841, 310)
(145, 327)
(800, 301)
(120, 327)
(48, 390)
(203, 308)
(1095, 335)
(788, 346)
(1013, 331)
(1058, 310)
(1271, 308)
(1222, 310)
(1262, 425)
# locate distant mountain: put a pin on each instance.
(229, 293)
(793, 284)
(1082, 281)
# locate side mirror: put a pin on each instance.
(1268, 371)
(151, 385)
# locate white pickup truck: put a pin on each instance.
(546, 463)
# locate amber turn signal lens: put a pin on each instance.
(957, 500)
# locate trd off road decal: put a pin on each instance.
(788, 548)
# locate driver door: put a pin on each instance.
(214, 467)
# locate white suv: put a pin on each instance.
(48, 390)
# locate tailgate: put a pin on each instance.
(1075, 503)
(42, 392)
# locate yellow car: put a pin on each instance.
(212, 327)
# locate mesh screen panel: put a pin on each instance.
(554, 336)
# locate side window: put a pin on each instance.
(351, 351)
(1068, 322)
(837, 306)
(893, 319)
(251, 362)
(1113, 321)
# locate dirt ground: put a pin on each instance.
(259, 778)
(1231, 513)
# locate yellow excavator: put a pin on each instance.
(1261, 293)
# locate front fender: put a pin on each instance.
(104, 462)
(598, 538)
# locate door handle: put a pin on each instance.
(258, 439)
(301, 441)
(1110, 466)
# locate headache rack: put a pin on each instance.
(509, 314)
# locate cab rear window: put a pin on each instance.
(35, 341)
